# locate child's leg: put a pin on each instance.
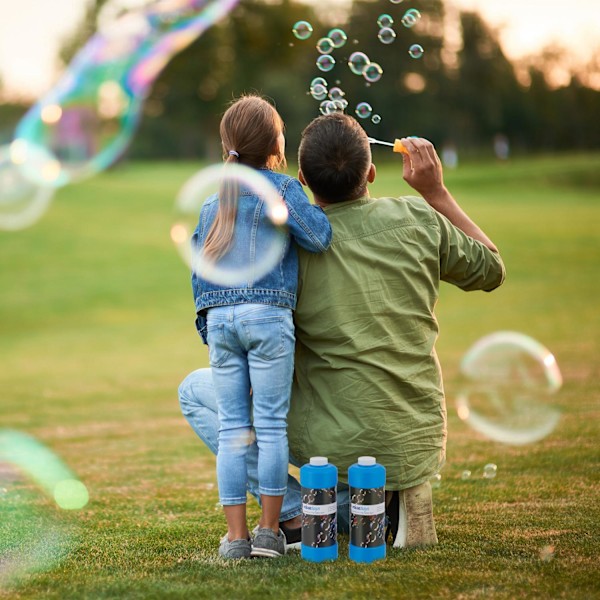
(232, 387)
(271, 363)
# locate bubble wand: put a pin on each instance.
(398, 146)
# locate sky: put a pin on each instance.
(31, 32)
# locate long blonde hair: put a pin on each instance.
(250, 128)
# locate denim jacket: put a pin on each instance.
(307, 225)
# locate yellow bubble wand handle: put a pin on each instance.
(397, 146)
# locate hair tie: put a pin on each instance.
(234, 153)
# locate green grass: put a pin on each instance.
(97, 330)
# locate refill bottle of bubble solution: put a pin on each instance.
(319, 510)
(366, 479)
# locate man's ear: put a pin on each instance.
(372, 173)
(301, 177)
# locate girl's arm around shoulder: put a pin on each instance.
(308, 223)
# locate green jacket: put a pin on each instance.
(368, 381)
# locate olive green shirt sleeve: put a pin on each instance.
(466, 262)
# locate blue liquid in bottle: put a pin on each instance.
(319, 510)
(366, 479)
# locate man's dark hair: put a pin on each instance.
(335, 156)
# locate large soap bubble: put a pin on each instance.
(22, 202)
(509, 380)
(87, 120)
(248, 259)
(34, 536)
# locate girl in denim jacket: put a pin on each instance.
(249, 326)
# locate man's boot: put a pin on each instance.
(410, 515)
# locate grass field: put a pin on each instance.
(96, 321)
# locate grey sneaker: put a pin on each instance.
(266, 543)
(235, 548)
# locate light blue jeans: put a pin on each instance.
(199, 406)
(251, 351)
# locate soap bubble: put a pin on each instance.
(324, 45)
(338, 37)
(325, 62)
(336, 93)
(489, 471)
(385, 20)
(411, 17)
(363, 110)
(22, 202)
(328, 107)
(376, 119)
(236, 267)
(416, 51)
(373, 72)
(386, 35)
(358, 62)
(465, 475)
(319, 81)
(302, 30)
(34, 536)
(88, 119)
(396, 1)
(318, 91)
(436, 481)
(508, 381)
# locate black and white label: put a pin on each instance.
(367, 517)
(319, 517)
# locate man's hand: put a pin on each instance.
(422, 169)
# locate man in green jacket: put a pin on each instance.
(367, 379)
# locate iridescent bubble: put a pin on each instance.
(465, 475)
(302, 30)
(22, 202)
(436, 481)
(508, 380)
(358, 62)
(87, 120)
(363, 110)
(236, 266)
(376, 119)
(411, 17)
(336, 93)
(339, 105)
(489, 471)
(385, 20)
(396, 1)
(343, 103)
(327, 107)
(386, 35)
(33, 536)
(416, 51)
(324, 45)
(338, 37)
(325, 62)
(318, 91)
(373, 72)
(319, 80)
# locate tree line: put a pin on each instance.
(462, 96)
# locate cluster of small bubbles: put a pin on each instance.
(318, 91)
(363, 110)
(325, 62)
(338, 37)
(324, 45)
(416, 51)
(336, 93)
(302, 30)
(373, 72)
(358, 62)
(386, 35)
(489, 471)
(411, 17)
(436, 481)
(465, 475)
(385, 20)
(376, 119)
